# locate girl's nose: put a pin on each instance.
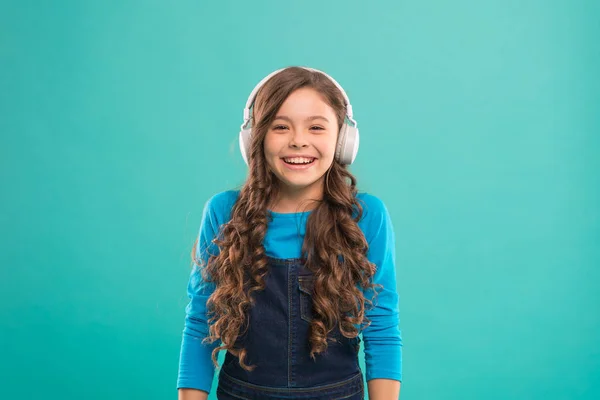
(298, 139)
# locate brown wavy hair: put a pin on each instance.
(334, 247)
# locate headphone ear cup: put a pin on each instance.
(347, 144)
(244, 140)
(341, 140)
(355, 143)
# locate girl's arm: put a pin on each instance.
(382, 338)
(192, 394)
(196, 370)
(383, 389)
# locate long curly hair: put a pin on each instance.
(334, 247)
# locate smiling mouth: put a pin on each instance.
(299, 160)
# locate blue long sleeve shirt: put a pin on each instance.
(285, 235)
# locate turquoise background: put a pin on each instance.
(480, 131)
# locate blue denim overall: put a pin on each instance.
(278, 347)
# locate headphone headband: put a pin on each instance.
(252, 96)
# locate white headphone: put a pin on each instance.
(348, 137)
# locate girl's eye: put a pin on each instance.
(283, 127)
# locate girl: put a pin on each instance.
(291, 268)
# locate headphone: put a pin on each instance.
(348, 137)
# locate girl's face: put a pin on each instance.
(300, 143)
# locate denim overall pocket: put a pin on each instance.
(306, 287)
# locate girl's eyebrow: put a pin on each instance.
(312, 118)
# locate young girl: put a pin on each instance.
(291, 268)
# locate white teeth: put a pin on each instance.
(298, 160)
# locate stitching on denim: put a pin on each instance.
(362, 391)
(284, 261)
(292, 390)
(237, 396)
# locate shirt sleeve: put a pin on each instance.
(196, 370)
(382, 339)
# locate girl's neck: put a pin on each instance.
(286, 207)
(291, 201)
